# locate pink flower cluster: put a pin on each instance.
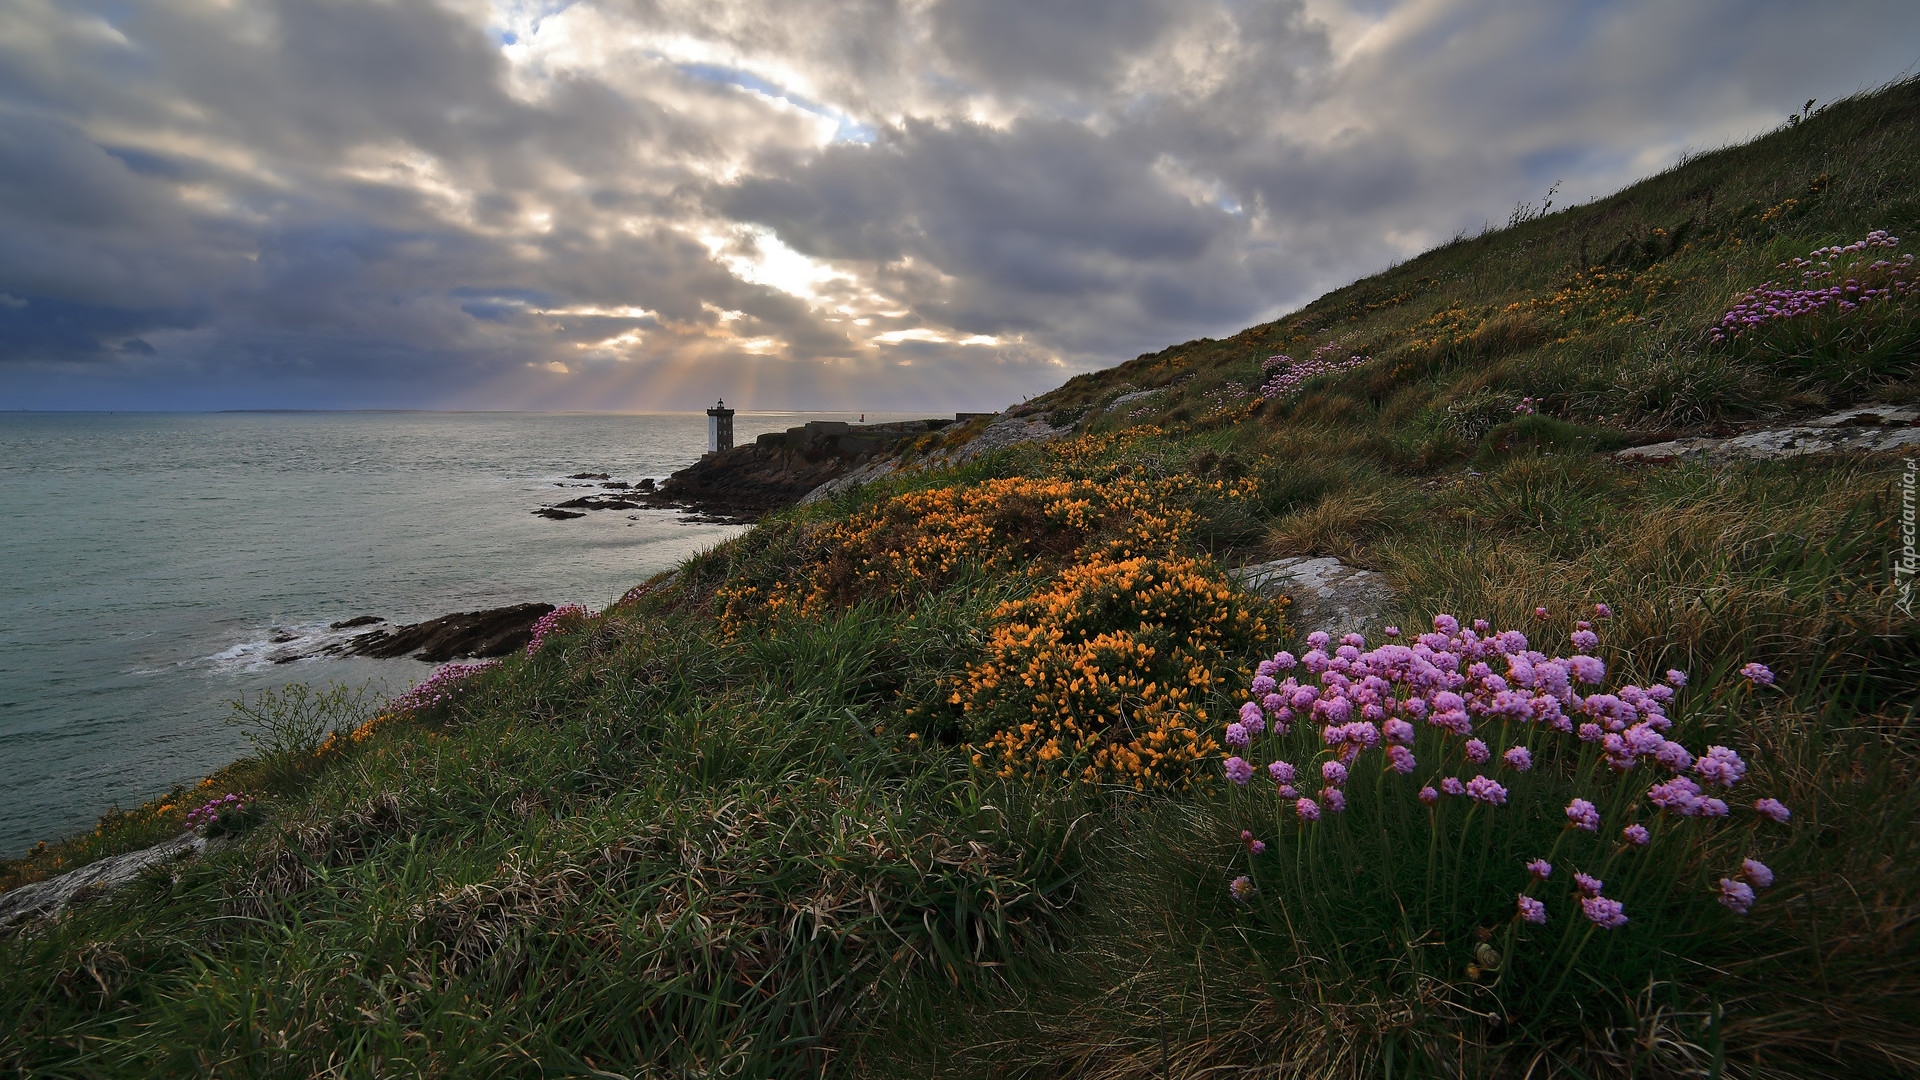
(440, 686)
(236, 803)
(550, 622)
(1285, 375)
(1825, 287)
(1474, 686)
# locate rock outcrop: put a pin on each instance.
(1865, 428)
(779, 468)
(47, 899)
(494, 632)
(1327, 594)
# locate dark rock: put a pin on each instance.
(599, 502)
(617, 485)
(740, 485)
(557, 515)
(644, 485)
(494, 632)
(590, 476)
(281, 637)
(358, 620)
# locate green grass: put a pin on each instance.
(657, 850)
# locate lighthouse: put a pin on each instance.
(719, 428)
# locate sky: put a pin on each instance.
(642, 205)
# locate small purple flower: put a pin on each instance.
(1676, 678)
(1584, 815)
(1540, 868)
(1333, 772)
(1518, 758)
(1239, 771)
(1307, 809)
(1335, 799)
(1539, 613)
(1757, 674)
(1588, 884)
(1288, 791)
(1736, 895)
(1318, 640)
(1428, 795)
(1237, 736)
(1680, 795)
(1587, 669)
(1452, 786)
(1283, 660)
(1391, 631)
(1712, 808)
(1263, 683)
(1476, 751)
(1241, 888)
(1281, 772)
(1486, 791)
(1602, 611)
(1397, 731)
(1635, 835)
(1532, 910)
(1774, 810)
(1401, 758)
(1756, 871)
(1585, 640)
(1602, 912)
(1720, 765)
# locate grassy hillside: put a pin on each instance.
(937, 778)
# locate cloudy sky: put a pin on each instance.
(836, 204)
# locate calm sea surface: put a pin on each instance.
(148, 562)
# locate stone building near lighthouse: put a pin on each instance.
(719, 428)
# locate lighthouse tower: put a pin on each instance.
(719, 428)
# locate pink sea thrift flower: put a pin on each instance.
(1538, 613)
(1774, 810)
(1757, 674)
(1756, 871)
(1584, 815)
(1283, 660)
(1736, 895)
(1635, 835)
(1335, 799)
(1281, 772)
(1241, 888)
(1239, 771)
(1476, 751)
(1602, 912)
(1452, 786)
(1720, 765)
(1333, 772)
(1540, 868)
(1237, 736)
(1428, 795)
(1484, 790)
(1401, 759)
(1518, 758)
(1307, 809)
(1532, 910)
(1680, 795)
(1676, 678)
(1602, 611)
(1588, 884)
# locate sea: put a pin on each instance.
(155, 567)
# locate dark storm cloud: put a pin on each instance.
(824, 202)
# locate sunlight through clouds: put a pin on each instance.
(818, 204)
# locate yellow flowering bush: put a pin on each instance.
(1103, 675)
(922, 540)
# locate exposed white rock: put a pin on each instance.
(1327, 594)
(1865, 428)
(50, 897)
